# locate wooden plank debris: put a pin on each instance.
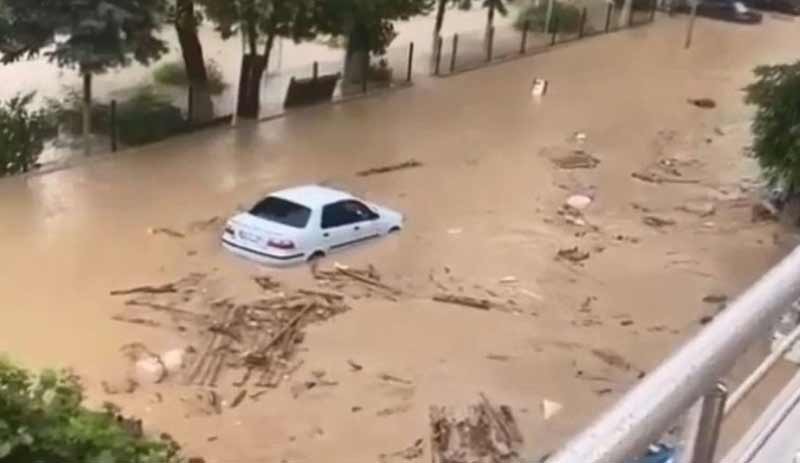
(467, 301)
(482, 433)
(382, 170)
(167, 288)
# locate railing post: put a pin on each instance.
(315, 71)
(113, 123)
(554, 32)
(454, 53)
(609, 10)
(705, 420)
(582, 23)
(523, 47)
(690, 27)
(365, 77)
(630, 14)
(410, 61)
(438, 61)
(490, 45)
(190, 105)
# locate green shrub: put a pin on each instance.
(144, 117)
(174, 74)
(380, 72)
(567, 16)
(776, 127)
(22, 135)
(42, 420)
(68, 112)
(147, 117)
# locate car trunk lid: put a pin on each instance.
(254, 231)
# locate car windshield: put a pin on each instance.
(282, 211)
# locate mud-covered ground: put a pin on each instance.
(484, 206)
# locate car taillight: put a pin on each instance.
(280, 244)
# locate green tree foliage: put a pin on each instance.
(492, 7)
(174, 74)
(776, 128)
(260, 22)
(91, 36)
(567, 16)
(22, 135)
(42, 420)
(368, 24)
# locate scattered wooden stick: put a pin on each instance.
(224, 330)
(494, 414)
(323, 294)
(287, 327)
(266, 283)
(395, 379)
(239, 398)
(218, 369)
(467, 301)
(382, 170)
(167, 288)
(167, 231)
(136, 321)
(164, 308)
(201, 361)
(368, 281)
(355, 366)
(653, 178)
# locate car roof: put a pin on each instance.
(313, 196)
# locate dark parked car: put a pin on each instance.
(781, 6)
(728, 10)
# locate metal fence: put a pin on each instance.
(336, 80)
(687, 385)
(468, 50)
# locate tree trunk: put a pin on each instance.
(625, 14)
(253, 67)
(487, 39)
(192, 50)
(437, 29)
(87, 113)
(357, 57)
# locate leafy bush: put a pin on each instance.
(68, 112)
(380, 72)
(42, 420)
(776, 127)
(145, 117)
(567, 16)
(22, 135)
(174, 74)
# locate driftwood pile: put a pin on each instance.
(482, 433)
(257, 340)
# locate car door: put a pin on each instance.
(347, 222)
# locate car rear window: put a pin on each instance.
(282, 211)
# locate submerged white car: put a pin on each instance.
(305, 223)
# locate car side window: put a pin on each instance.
(345, 213)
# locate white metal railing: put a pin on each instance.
(688, 377)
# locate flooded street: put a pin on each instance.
(484, 205)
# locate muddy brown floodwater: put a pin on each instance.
(484, 204)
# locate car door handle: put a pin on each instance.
(326, 235)
(356, 228)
